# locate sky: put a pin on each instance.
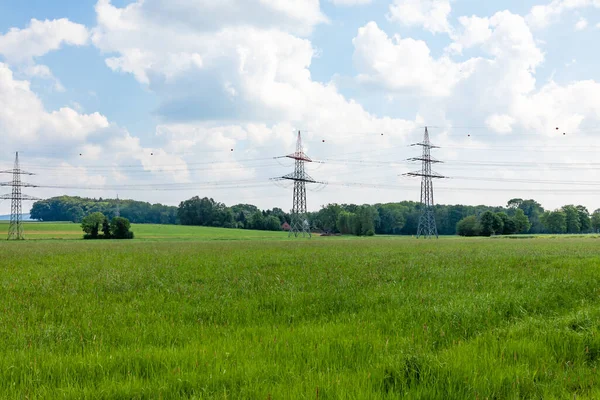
(162, 100)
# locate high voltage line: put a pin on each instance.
(272, 162)
(170, 169)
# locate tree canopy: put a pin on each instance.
(402, 218)
(67, 208)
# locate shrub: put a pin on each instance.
(91, 224)
(468, 226)
(119, 228)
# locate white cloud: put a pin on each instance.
(43, 72)
(474, 31)
(64, 133)
(24, 118)
(39, 38)
(432, 15)
(242, 73)
(506, 85)
(565, 107)
(235, 75)
(581, 24)
(541, 16)
(187, 17)
(351, 2)
(244, 84)
(500, 123)
(398, 64)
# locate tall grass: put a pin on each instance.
(369, 319)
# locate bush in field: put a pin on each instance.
(119, 228)
(91, 224)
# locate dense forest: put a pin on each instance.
(66, 208)
(519, 216)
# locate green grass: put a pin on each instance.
(66, 230)
(327, 319)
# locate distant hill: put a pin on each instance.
(26, 217)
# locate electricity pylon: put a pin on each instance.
(15, 230)
(427, 227)
(299, 224)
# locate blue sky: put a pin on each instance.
(131, 94)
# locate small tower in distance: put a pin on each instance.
(427, 226)
(15, 229)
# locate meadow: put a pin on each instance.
(174, 316)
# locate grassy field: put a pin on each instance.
(66, 230)
(274, 319)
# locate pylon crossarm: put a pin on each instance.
(13, 171)
(299, 179)
(428, 145)
(299, 157)
(21, 197)
(21, 184)
(426, 175)
(430, 159)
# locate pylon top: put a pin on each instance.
(16, 169)
(426, 142)
(299, 153)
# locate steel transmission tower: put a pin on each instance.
(15, 230)
(299, 224)
(118, 211)
(427, 227)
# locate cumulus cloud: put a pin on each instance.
(236, 75)
(43, 72)
(24, 117)
(432, 15)
(64, 138)
(298, 17)
(474, 31)
(240, 73)
(39, 38)
(543, 15)
(243, 85)
(500, 123)
(351, 2)
(398, 64)
(581, 24)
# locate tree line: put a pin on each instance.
(207, 212)
(74, 209)
(402, 218)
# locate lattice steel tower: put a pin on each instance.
(299, 223)
(15, 230)
(427, 227)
